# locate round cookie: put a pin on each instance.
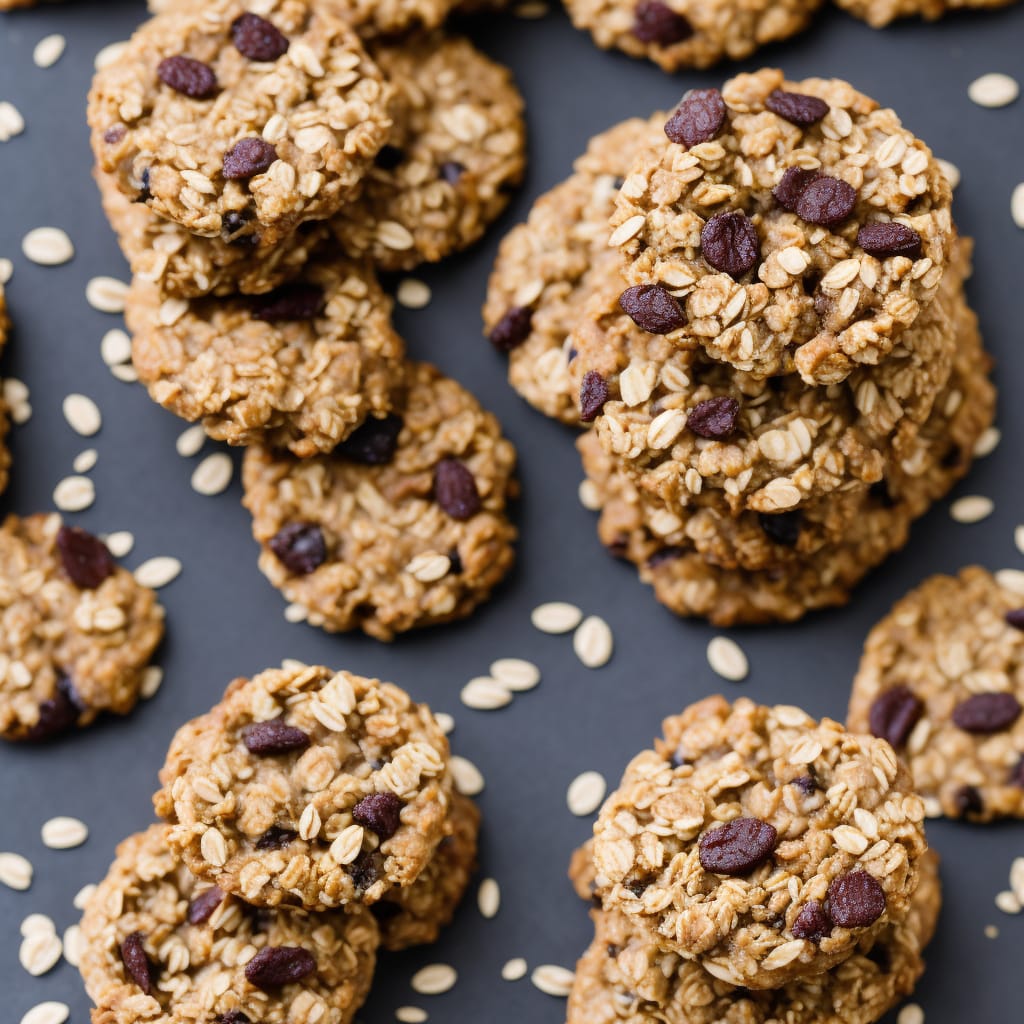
(795, 227)
(942, 679)
(544, 269)
(162, 947)
(759, 843)
(878, 13)
(686, 33)
(300, 367)
(415, 916)
(306, 787)
(76, 630)
(237, 125)
(456, 150)
(404, 525)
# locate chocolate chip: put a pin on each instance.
(714, 418)
(58, 714)
(666, 554)
(887, 238)
(455, 489)
(256, 38)
(389, 157)
(894, 714)
(737, 847)
(289, 302)
(84, 558)
(380, 813)
(136, 962)
(1015, 618)
(593, 395)
(300, 547)
(374, 442)
(232, 1017)
(968, 801)
(366, 869)
(248, 157)
(826, 201)
(782, 527)
(276, 966)
(452, 171)
(986, 712)
(796, 107)
(806, 784)
(812, 922)
(653, 308)
(855, 900)
(1017, 775)
(201, 909)
(512, 329)
(267, 738)
(655, 22)
(276, 838)
(791, 186)
(698, 118)
(188, 76)
(729, 243)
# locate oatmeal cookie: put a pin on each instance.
(942, 679)
(237, 125)
(404, 525)
(162, 947)
(300, 367)
(455, 152)
(546, 265)
(77, 630)
(878, 13)
(784, 226)
(307, 787)
(414, 916)
(686, 33)
(759, 843)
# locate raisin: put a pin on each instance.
(374, 442)
(987, 712)
(84, 558)
(264, 739)
(276, 966)
(714, 418)
(729, 243)
(380, 813)
(289, 302)
(812, 922)
(782, 527)
(188, 76)
(894, 714)
(247, 158)
(698, 118)
(796, 107)
(826, 201)
(655, 22)
(737, 847)
(887, 238)
(455, 490)
(258, 39)
(653, 308)
(201, 909)
(593, 395)
(791, 186)
(136, 962)
(512, 329)
(299, 547)
(855, 900)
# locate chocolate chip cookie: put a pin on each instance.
(162, 946)
(307, 787)
(404, 525)
(77, 630)
(941, 680)
(300, 367)
(784, 227)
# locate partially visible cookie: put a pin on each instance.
(300, 367)
(942, 679)
(161, 946)
(76, 630)
(240, 125)
(878, 13)
(455, 152)
(404, 525)
(307, 787)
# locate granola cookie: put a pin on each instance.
(784, 227)
(404, 525)
(307, 787)
(686, 33)
(161, 946)
(545, 268)
(237, 125)
(76, 630)
(456, 150)
(759, 843)
(942, 679)
(300, 367)
(415, 916)
(622, 978)
(878, 13)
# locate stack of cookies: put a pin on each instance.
(259, 164)
(756, 865)
(310, 819)
(759, 308)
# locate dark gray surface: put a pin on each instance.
(225, 620)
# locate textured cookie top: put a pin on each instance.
(76, 630)
(163, 947)
(404, 525)
(759, 842)
(878, 13)
(942, 679)
(456, 150)
(300, 367)
(788, 226)
(307, 787)
(236, 124)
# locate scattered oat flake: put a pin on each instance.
(1007, 902)
(411, 1015)
(515, 674)
(413, 294)
(190, 441)
(48, 247)
(74, 944)
(468, 779)
(11, 121)
(1011, 579)
(590, 497)
(585, 793)
(950, 170)
(158, 572)
(109, 54)
(47, 1013)
(991, 931)
(295, 613)
(49, 50)
(120, 542)
(83, 895)
(910, 1014)
(1017, 205)
(727, 659)
(514, 969)
(36, 923)
(553, 980)
(74, 493)
(213, 474)
(971, 508)
(993, 90)
(82, 414)
(152, 677)
(107, 295)
(1017, 878)
(6, 266)
(434, 979)
(445, 722)
(593, 642)
(988, 442)
(15, 871)
(85, 460)
(115, 347)
(64, 833)
(488, 898)
(39, 952)
(125, 372)
(485, 694)
(556, 617)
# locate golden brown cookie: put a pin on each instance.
(878, 13)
